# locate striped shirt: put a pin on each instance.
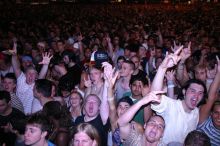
(25, 93)
(209, 129)
(16, 102)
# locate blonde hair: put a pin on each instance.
(89, 130)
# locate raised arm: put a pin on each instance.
(104, 107)
(182, 75)
(170, 83)
(45, 62)
(124, 120)
(206, 109)
(109, 45)
(169, 61)
(110, 78)
(15, 61)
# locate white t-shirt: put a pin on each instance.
(25, 93)
(178, 122)
(36, 106)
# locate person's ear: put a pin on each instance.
(184, 92)
(44, 134)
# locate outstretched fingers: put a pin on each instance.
(178, 50)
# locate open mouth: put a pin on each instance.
(152, 134)
(193, 102)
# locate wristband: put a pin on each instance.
(171, 86)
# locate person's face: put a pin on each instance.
(119, 63)
(9, 84)
(158, 52)
(88, 53)
(75, 100)
(142, 51)
(3, 106)
(158, 62)
(34, 53)
(95, 76)
(92, 106)
(33, 135)
(193, 96)
(151, 43)
(136, 88)
(127, 53)
(154, 129)
(136, 62)
(82, 139)
(122, 108)
(31, 76)
(116, 40)
(125, 70)
(200, 74)
(216, 116)
(66, 59)
(60, 46)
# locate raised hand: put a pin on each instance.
(153, 97)
(186, 53)
(175, 46)
(87, 82)
(108, 39)
(46, 58)
(109, 73)
(171, 59)
(170, 75)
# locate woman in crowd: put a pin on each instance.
(76, 101)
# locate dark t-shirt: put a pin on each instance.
(97, 123)
(14, 117)
(141, 74)
(71, 78)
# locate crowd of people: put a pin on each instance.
(110, 75)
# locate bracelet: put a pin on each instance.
(111, 99)
(171, 86)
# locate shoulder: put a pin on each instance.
(79, 120)
(138, 127)
(17, 112)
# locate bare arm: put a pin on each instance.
(104, 107)
(46, 61)
(169, 61)
(170, 84)
(110, 46)
(124, 120)
(110, 79)
(15, 61)
(205, 109)
(182, 75)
